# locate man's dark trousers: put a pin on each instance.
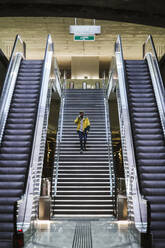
(82, 136)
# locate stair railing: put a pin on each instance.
(57, 84)
(137, 205)
(29, 204)
(112, 78)
(109, 144)
(17, 54)
(58, 141)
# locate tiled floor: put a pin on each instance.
(104, 234)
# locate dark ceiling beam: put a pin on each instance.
(21, 8)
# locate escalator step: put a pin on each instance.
(156, 175)
(146, 125)
(25, 96)
(143, 105)
(23, 105)
(6, 209)
(19, 126)
(157, 184)
(135, 62)
(18, 132)
(19, 150)
(20, 121)
(12, 178)
(32, 62)
(13, 163)
(22, 100)
(28, 83)
(22, 110)
(15, 144)
(26, 87)
(6, 227)
(144, 115)
(141, 100)
(154, 192)
(146, 120)
(153, 162)
(152, 169)
(147, 155)
(6, 217)
(141, 95)
(12, 156)
(140, 86)
(148, 131)
(10, 193)
(21, 115)
(157, 207)
(12, 185)
(17, 138)
(148, 137)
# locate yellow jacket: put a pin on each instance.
(86, 123)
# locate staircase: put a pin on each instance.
(149, 145)
(84, 181)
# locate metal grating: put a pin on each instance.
(83, 235)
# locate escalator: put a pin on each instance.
(17, 143)
(149, 143)
(141, 100)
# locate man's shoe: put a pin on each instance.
(85, 149)
(81, 151)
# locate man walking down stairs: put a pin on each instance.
(83, 126)
(83, 183)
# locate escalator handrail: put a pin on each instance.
(155, 75)
(150, 42)
(10, 79)
(32, 187)
(18, 41)
(132, 184)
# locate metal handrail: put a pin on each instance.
(149, 42)
(59, 134)
(9, 83)
(58, 141)
(109, 142)
(18, 41)
(112, 77)
(32, 192)
(57, 85)
(132, 184)
(151, 57)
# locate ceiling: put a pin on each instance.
(136, 11)
(34, 31)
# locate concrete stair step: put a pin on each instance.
(80, 216)
(80, 206)
(81, 192)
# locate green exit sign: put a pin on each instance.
(84, 37)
